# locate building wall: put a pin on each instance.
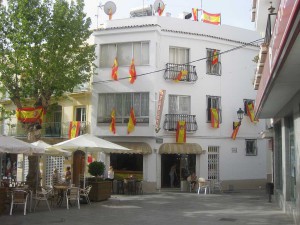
(234, 85)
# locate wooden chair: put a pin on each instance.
(18, 197)
(72, 194)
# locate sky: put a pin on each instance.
(233, 12)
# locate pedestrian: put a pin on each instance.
(68, 176)
(172, 174)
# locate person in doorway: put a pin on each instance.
(68, 176)
(172, 174)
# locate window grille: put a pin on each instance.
(213, 163)
(53, 162)
(251, 147)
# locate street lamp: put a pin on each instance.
(240, 115)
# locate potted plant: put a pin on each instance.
(101, 189)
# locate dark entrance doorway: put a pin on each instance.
(185, 164)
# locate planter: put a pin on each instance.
(101, 190)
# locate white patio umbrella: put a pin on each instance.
(88, 143)
(51, 151)
(12, 145)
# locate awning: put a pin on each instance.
(186, 148)
(136, 148)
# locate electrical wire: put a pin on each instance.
(197, 60)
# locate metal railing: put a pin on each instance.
(170, 123)
(51, 129)
(172, 72)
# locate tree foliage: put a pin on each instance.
(43, 49)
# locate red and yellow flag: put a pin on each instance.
(181, 75)
(250, 112)
(30, 114)
(132, 72)
(214, 117)
(74, 129)
(114, 70)
(131, 122)
(181, 132)
(195, 14)
(236, 126)
(211, 18)
(215, 58)
(160, 9)
(113, 121)
(110, 14)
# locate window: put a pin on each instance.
(213, 69)
(213, 163)
(178, 55)
(122, 103)
(251, 147)
(80, 114)
(124, 52)
(213, 102)
(246, 101)
(179, 104)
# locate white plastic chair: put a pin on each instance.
(72, 194)
(85, 193)
(218, 185)
(42, 195)
(202, 185)
(18, 197)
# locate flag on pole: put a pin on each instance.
(110, 14)
(114, 71)
(181, 75)
(236, 126)
(215, 58)
(132, 72)
(211, 18)
(30, 114)
(113, 121)
(181, 132)
(74, 129)
(160, 9)
(250, 111)
(214, 117)
(131, 122)
(195, 14)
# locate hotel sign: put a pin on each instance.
(160, 105)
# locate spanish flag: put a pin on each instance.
(211, 18)
(132, 72)
(160, 9)
(30, 114)
(250, 112)
(131, 122)
(114, 71)
(214, 117)
(236, 126)
(113, 121)
(74, 129)
(195, 14)
(110, 14)
(181, 75)
(215, 58)
(181, 132)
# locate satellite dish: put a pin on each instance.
(159, 6)
(110, 8)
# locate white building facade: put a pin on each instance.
(161, 48)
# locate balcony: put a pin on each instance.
(172, 71)
(170, 123)
(49, 130)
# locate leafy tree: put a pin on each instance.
(43, 49)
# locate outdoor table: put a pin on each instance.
(61, 189)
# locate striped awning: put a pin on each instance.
(186, 148)
(136, 148)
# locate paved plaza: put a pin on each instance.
(165, 208)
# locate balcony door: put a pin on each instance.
(180, 104)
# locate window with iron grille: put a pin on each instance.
(211, 68)
(247, 101)
(213, 163)
(251, 147)
(53, 162)
(179, 55)
(179, 104)
(122, 103)
(213, 102)
(125, 52)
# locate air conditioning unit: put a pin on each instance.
(142, 11)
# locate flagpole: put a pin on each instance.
(201, 10)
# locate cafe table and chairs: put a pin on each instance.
(61, 191)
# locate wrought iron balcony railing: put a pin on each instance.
(172, 72)
(170, 123)
(52, 129)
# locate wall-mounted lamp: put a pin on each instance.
(240, 114)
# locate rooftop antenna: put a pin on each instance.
(97, 15)
(110, 8)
